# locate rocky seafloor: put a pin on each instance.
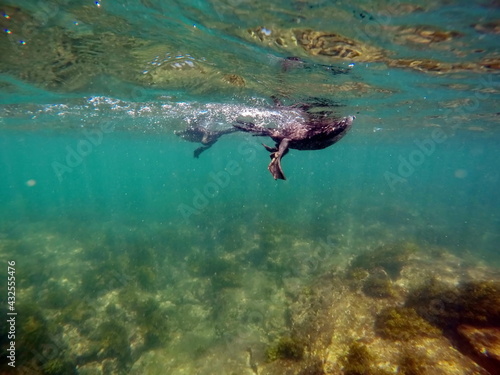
(116, 299)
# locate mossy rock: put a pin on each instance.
(481, 303)
(475, 303)
(103, 278)
(37, 335)
(314, 366)
(403, 323)
(411, 362)
(223, 273)
(436, 302)
(78, 311)
(228, 279)
(207, 265)
(34, 331)
(129, 298)
(378, 285)
(57, 297)
(358, 360)
(58, 366)
(391, 258)
(153, 322)
(147, 278)
(357, 274)
(288, 348)
(111, 340)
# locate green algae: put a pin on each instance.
(402, 323)
(111, 340)
(412, 362)
(476, 303)
(288, 348)
(357, 274)
(228, 279)
(378, 285)
(147, 278)
(480, 303)
(39, 345)
(314, 367)
(57, 297)
(222, 273)
(390, 257)
(58, 366)
(77, 312)
(359, 361)
(34, 329)
(129, 298)
(153, 321)
(150, 317)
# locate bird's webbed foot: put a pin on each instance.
(275, 164)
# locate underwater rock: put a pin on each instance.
(378, 285)
(153, 323)
(290, 348)
(146, 277)
(485, 341)
(402, 324)
(482, 344)
(111, 341)
(90, 368)
(359, 361)
(475, 303)
(413, 362)
(390, 257)
(313, 366)
(58, 366)
(468, 313)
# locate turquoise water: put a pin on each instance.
(134, 257)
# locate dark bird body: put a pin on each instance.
(315, 133)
